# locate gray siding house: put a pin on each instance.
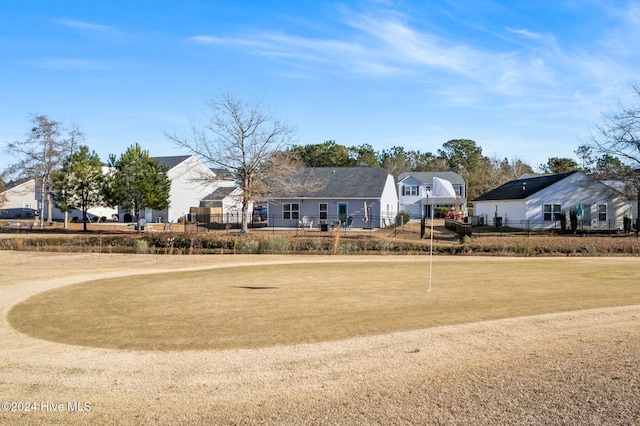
(358, 197)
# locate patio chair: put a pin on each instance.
(306, 222)
(348, 223)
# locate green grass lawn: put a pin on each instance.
(259, 306)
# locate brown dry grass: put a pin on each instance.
(579, 367)
(262, 306)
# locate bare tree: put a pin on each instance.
(79, 183)
(38, 156)
(618, 137)
(3, 197)
(249, 142)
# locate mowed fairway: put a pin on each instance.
(285, 304)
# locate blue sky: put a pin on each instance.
(524, 79)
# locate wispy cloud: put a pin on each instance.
(104, 32)
(525, 33)
(204, 39)
(84, 25)
(385, 43)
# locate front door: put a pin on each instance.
(342, 212)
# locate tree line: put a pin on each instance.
(257, 149)
(463, 156)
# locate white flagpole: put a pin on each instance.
(431, 247)
(440, 188)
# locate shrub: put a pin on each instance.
(141, 247)
(573, 218)
(317, 244)
(563, 221)
(273, 245)
(465, 240)
(348, 247)
(403, 217)
(590, 250)
(384, 245)
(247, 247)
(441, 212)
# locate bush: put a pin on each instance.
(441, 212)
(563, 221)
(247, 247)
(403, 217)
(273, 245)
(573, 219)
(141, 247)
(348, 247)
(384, 245)
(317, 244)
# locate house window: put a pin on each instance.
(323, 211)
(458, 190)
(291, 211)
(410, 190)
(551, 211)
(602, 212)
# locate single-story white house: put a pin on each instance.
(20, 194)
(537, 202)
(24, 195)
(414, 189)
(358, 197)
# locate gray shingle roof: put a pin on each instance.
(427, 177)
(520, 189)
(12, 184)
(172, 161)
(341, 182)
(220, 193)
(222, 173)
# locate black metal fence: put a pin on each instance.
(227, 221)
(504, 227)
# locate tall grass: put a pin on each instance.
(333, 243)
(336, 242)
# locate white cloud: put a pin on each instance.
(387, 44)
(204, 39)
(84, 25)
(104, 32)
(525, 33)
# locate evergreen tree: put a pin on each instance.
(137, 182)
